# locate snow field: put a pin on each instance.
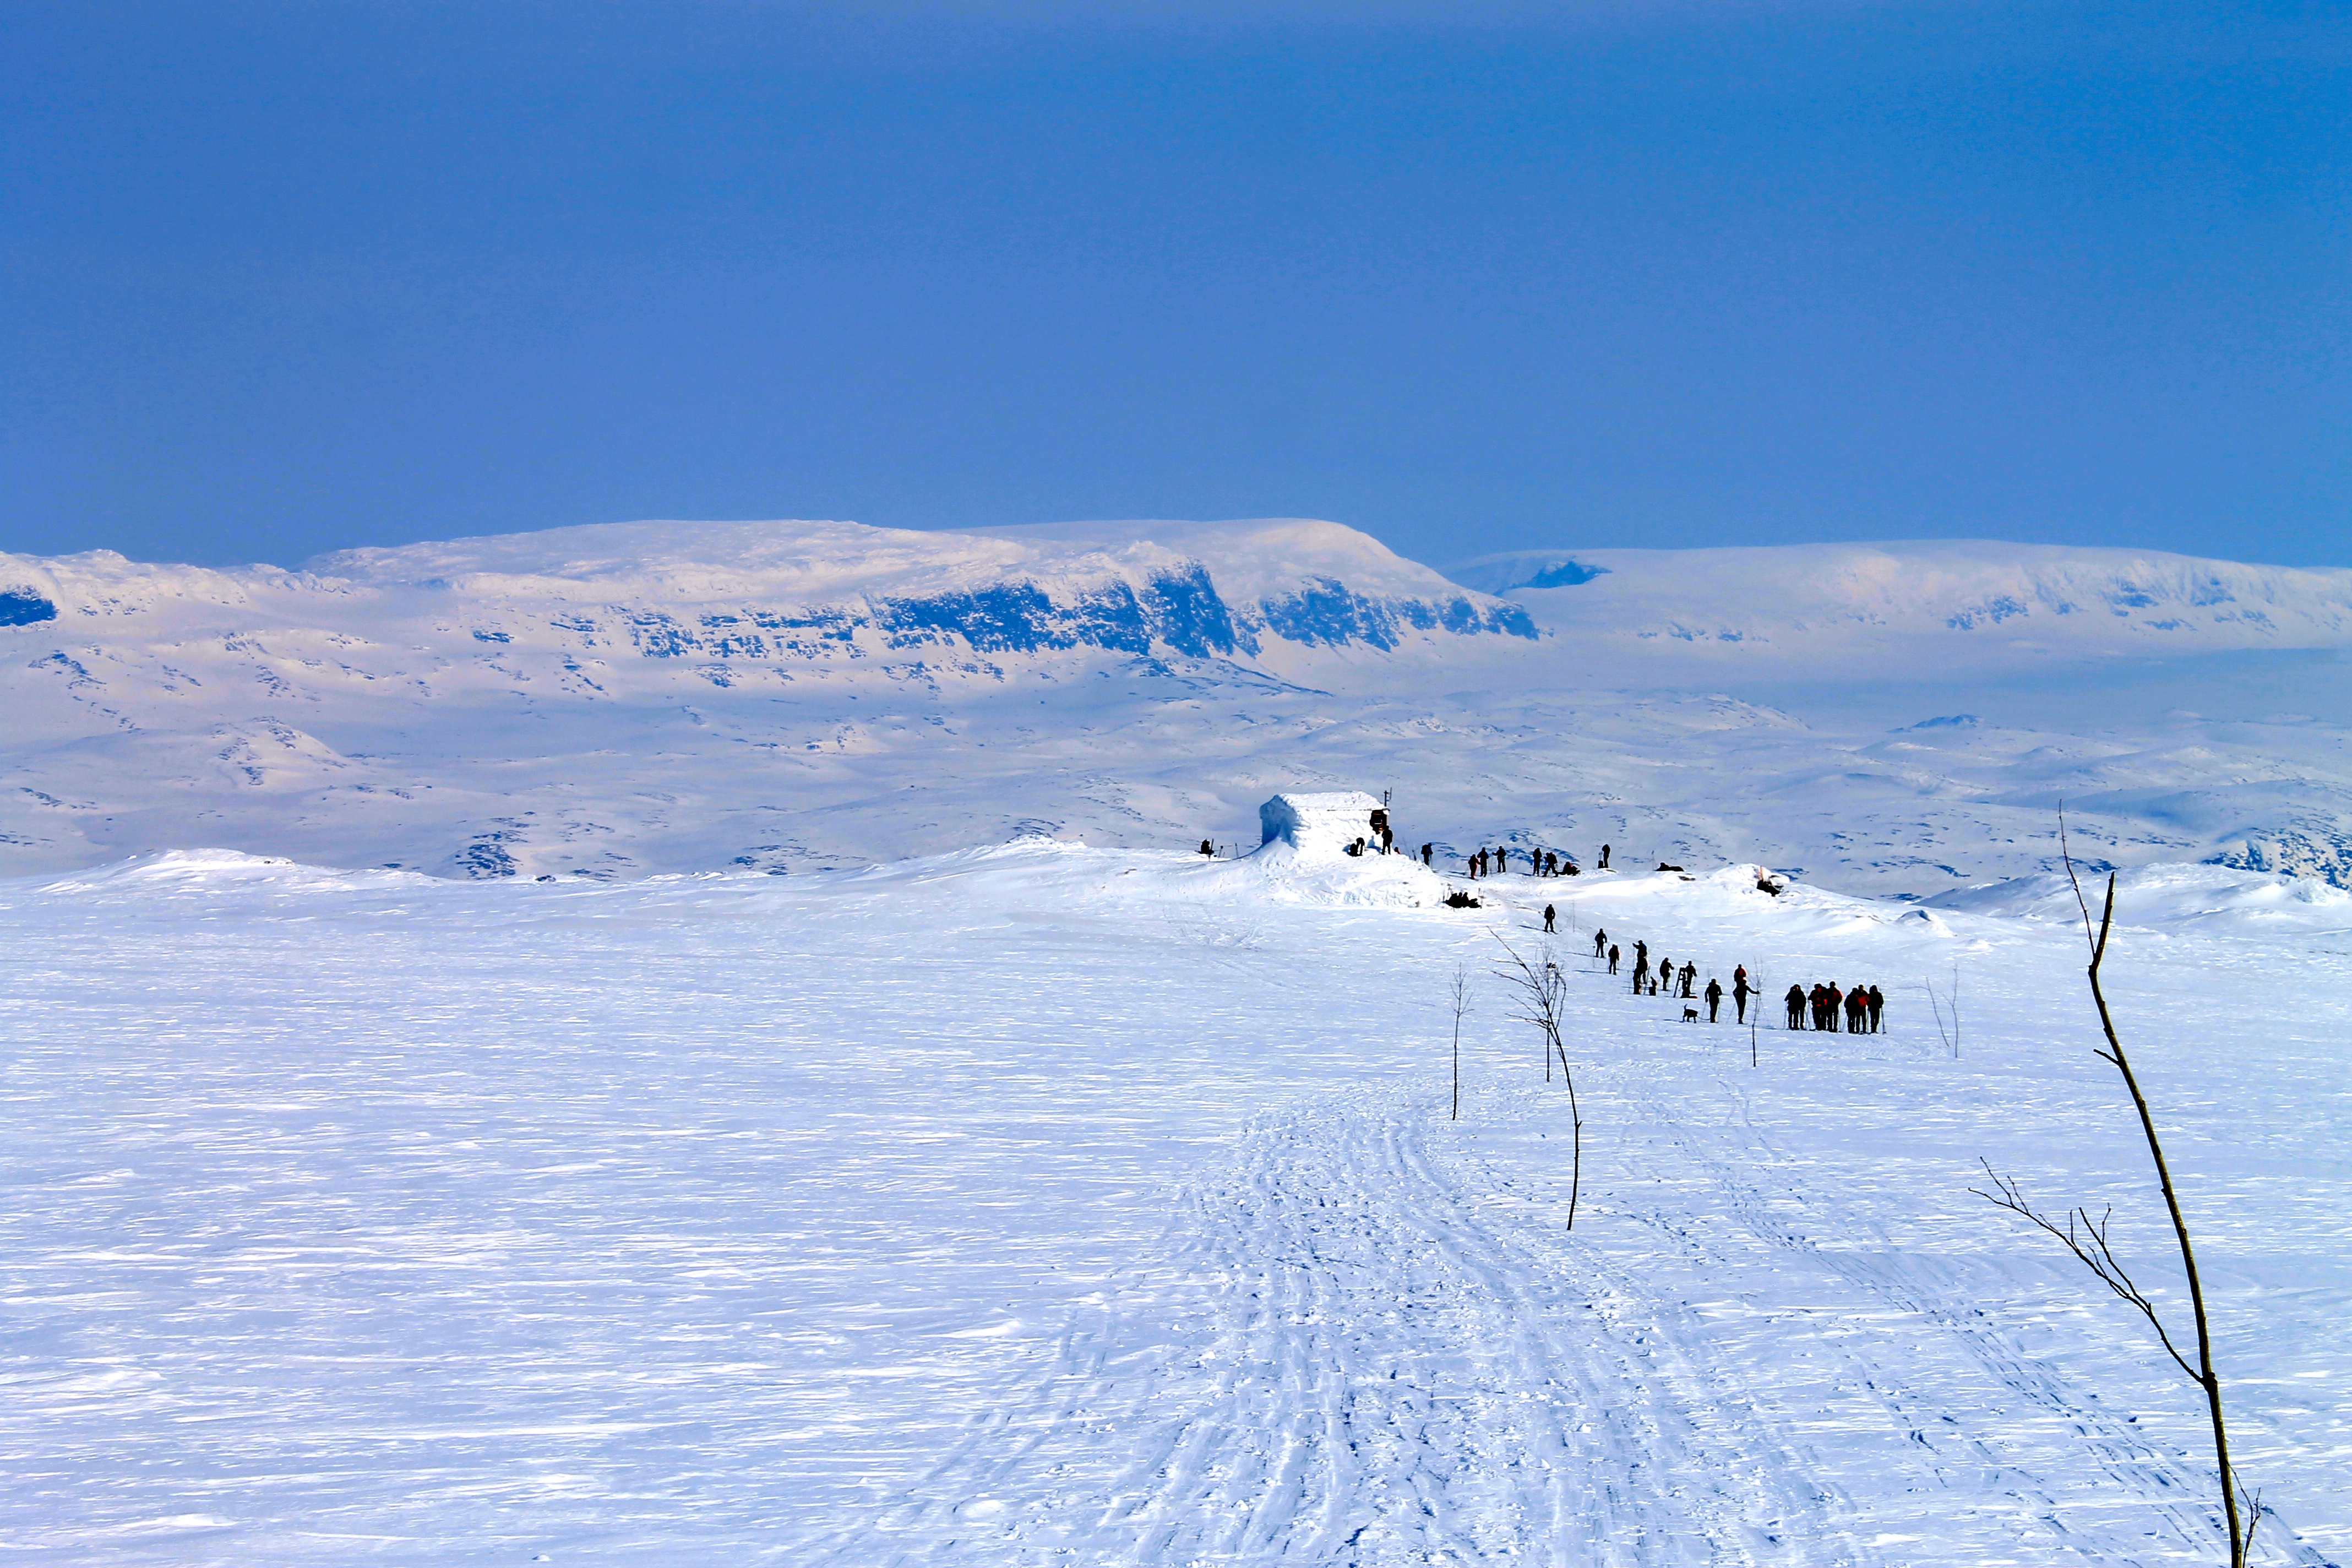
(1053, 1205)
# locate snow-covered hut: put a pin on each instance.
(1318, 823)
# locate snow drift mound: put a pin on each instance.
(1275, 874)
(200, 872)
(1279, 873)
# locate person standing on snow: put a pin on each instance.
(1549, 912)
(1877, 1010)
(1741, 991)
(1604, 857)
(1714, 997)
(1795, 1001)
(1599, 943)
(1690, 973)
(1641, 970)
(1614, 953)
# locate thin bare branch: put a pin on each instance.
(1460, 998)
(2067, 856)
(2241, 1527)
(2098, 1256)
(1540, 993)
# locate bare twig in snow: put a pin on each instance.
(1539, 990)
(1461, 997)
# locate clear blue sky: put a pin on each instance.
(275, 278)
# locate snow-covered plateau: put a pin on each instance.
(681, 1043)
(1050, 1204)
(620, 700)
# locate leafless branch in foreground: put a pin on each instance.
(2088, 1240)
(2096, 1256)
(1539, 990)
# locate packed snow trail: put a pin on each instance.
(1371, 1374)
(1050, 1206)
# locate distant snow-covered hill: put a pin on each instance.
(1919, 604)
(794, 593)
(723, 602)
(622, 699)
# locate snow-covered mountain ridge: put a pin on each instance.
(726, 597)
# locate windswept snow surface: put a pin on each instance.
(1052, 1205)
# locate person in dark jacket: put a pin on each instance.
(1741, 991)
(1795, 1001)
(1604, 857)
(1614, 953)
(1207, 848)
(1599, 943)
(1833, 1000)
(1690, 975)
(1714, 997)
(1549, 914)
(1877, 1010)
(1641, 970)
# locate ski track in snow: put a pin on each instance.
(1381, 1378)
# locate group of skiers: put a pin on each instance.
(1864, 1008)
(1649, 980)
(1497, 861)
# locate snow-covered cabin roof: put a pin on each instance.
(1324, 823)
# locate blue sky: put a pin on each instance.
(278, 278)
